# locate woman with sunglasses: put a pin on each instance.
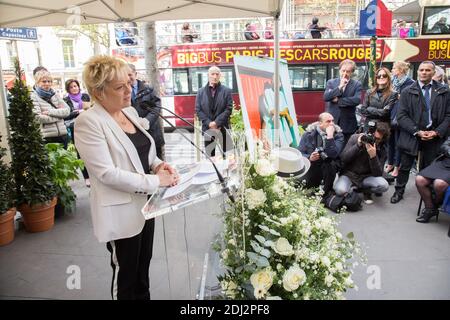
(379, 100)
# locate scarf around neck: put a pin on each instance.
(77, 98)
(45, 94)
(398, 82)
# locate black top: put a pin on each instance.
(142, 145)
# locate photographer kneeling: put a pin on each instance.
(363, 159)
(321, 144)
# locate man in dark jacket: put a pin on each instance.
(321, 144)
(213, 105)
(363, 164)
(423, 118)
(342, 95)
(315, 30)
(143, 99)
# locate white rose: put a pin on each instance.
(255, 198)
(261, 281)
(283, 247)
(325, 223)
(329, 280)
(264, 168)
(232, 242)
(314, 256)
(348, 282)
(225, 253)
(293, 278)
(326, 261)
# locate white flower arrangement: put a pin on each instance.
(279, 243)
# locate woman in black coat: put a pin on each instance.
(77, 103)
(400, 81)
(380, 100)
(437, 176)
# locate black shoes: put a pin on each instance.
(427, 214)
(396, 197)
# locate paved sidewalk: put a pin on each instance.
(412, 259)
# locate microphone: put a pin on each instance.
(149, 91)
(225, 189)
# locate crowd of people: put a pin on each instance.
(116, 129)
(403, 123)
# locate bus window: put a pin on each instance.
(436, 20)
(181, 83)
(227, 78)
(311, 77)
(199, 77)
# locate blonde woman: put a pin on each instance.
(124, 170)
(50, 109)
(400, 81)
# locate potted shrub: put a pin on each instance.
(64, 164)
(30, 164)
(7, 210)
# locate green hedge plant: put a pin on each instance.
(30, 163)
(6, 184)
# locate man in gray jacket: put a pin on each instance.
(213, 106)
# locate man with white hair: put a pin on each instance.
(213, 105)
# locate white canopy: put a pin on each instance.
(35, 13)
(26, 13)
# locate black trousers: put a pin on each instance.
(429, 150)
(130, 261)
(212, 138)
(320, 170)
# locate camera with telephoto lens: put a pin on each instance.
(321, 153)
(369, 136)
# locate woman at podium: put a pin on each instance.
(121, 159)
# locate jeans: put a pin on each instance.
(393, 151)
(373, 184)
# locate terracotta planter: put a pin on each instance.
(7, 226)
(39, 217)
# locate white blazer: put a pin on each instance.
(119, 187)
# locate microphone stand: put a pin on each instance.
(225, 189)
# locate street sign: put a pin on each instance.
(18, 33)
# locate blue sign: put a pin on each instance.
(18, 33)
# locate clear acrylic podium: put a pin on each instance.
(185, 264)
(157, 206)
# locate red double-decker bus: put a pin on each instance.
(183, 68)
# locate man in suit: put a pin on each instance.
(423, 118)
(143, 99)
(213, 105)
(342, 95)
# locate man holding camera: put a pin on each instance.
(424, 119)
(321, 144)
(363, 160)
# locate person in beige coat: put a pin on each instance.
(124, 170)
(50, 109)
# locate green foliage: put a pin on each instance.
(30, 164)
(64, 164)
(279, 242)
(236, 119)
(6, 184)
